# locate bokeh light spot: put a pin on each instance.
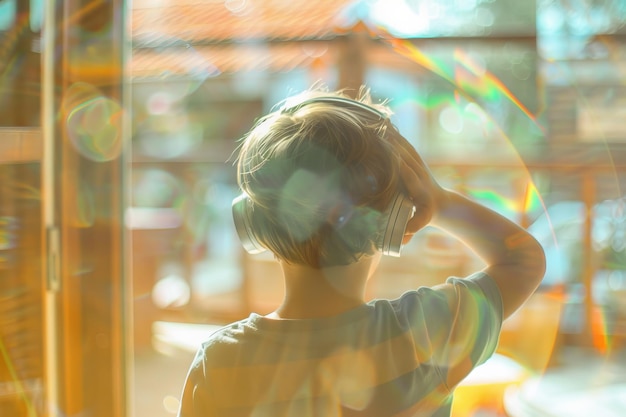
(171, 291)
(302, 202)
(236, 7)
(93, 122)
(171, 404)
(155, 187)
(159, 103)
(351, 375)
(451, 120)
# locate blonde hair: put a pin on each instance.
(319, 175)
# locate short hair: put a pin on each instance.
(319, 176)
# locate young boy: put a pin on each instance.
(319, 177)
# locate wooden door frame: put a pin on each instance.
(86, 304)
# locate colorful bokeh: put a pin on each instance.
(93, 122)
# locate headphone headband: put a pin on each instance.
(335, 100)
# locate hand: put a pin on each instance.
(419, 182)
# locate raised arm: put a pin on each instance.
(513, 258)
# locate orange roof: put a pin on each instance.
(158, 23)
(207, 61)
(209, 37)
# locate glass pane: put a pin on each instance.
(19, 67)
(22, 374)
(83, 189)
(22, 368)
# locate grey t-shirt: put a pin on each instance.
(397, 357)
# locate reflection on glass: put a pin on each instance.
(21, 331)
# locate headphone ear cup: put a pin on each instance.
(242, 217)
(399, 214)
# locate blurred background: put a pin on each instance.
(119, 125)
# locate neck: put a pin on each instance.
(325, 292)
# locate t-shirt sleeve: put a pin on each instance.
(456, 325)
(195, 401)
(479, 315)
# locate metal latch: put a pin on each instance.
(53, 281)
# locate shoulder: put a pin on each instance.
(480, 286)
(224, 342)
(480, 283)
(443, 305)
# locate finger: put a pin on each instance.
(404, 145)
(420, 196)
(409, 155)
(421, 219)
(412, 179)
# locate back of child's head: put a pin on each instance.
(320, 175)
